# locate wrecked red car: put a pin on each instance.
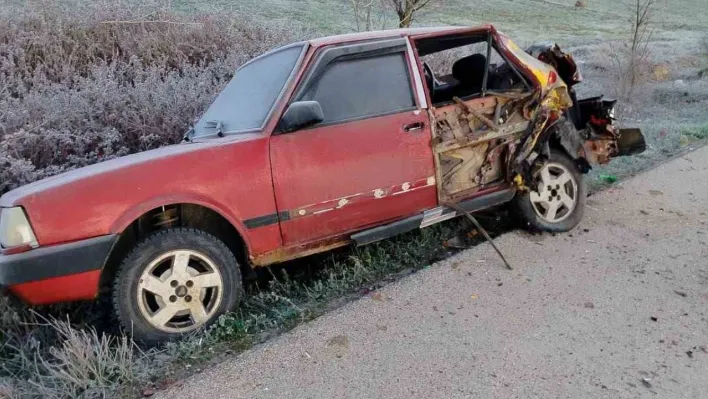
(320, 144)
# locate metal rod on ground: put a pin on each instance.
(480, 228)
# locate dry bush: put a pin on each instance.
(87, 363)
(81, 87)
(18, 339)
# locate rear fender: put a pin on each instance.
(567, 138)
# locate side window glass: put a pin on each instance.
(363, 87)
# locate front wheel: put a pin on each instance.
(558, 202)
(173, 282)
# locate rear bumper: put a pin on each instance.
(57, 273)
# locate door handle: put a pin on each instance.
(412, 127)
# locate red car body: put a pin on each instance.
(286, 195)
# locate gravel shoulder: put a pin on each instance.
(616, 308)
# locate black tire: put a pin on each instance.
(529, 213)
(206, 248)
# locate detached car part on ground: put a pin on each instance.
(317, 145)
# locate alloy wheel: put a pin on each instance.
(179, 291)
(557, 193)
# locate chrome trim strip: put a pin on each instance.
(436, 215)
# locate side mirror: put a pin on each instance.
(301, 114)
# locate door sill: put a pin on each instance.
(432, 216)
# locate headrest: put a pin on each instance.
(470, 70)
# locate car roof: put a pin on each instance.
(393, 33)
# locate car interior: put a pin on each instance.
(465, 66)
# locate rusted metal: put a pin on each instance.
(599, 151)
(297, 251)
(470, 138)
(166, 218)
(514, 95)
(490, 124)
(493, 165)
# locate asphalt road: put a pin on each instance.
(617, 308)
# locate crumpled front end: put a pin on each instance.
(603, 140)
(584, 128)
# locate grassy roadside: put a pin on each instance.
(291, 294)
(82, 361)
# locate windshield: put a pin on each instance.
(246, 101)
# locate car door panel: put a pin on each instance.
(345, 175)
(337, 178)
(475, 128)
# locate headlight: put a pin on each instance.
(15, 229)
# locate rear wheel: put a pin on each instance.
(174, 282)
(558, 202)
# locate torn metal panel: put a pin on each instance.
(563, 63)
(599, 151)
(603, 140)
(507, 137)
(569, 138)
(471, 138)
(493, 166)
(468, 162)
(631, 142)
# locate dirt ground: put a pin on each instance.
(616, 308)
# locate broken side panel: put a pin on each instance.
(472, 141)
(594, 119)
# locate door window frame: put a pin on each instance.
(491, 41)
(328, 55)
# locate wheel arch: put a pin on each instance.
(565, 137)
(523, 207)
(157, 215)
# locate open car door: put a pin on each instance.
(477, 111)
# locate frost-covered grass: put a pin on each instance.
(80, 86)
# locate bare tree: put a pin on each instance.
(406, 10)
(370, 14)
(631, 60)
(374, 14)
(642, 30)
